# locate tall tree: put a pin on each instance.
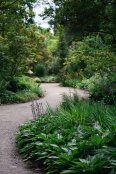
(13, 12)
(84, 16)
(20, 42)
(62, 49)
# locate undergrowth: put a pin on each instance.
(22, 89)
(78, 137)
(100, 88)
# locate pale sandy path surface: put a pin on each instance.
(11, 116)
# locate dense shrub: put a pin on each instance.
(26, 83)
(40, 70)
(104, 89)
(70, 82)
(53, 65)
(8, 97)
(21, 89)
(76, 138)
(91, 65)
(3, 85)
(88, 57)
(100, 88)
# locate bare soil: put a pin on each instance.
(11, 116)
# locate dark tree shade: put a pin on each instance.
(85, 16)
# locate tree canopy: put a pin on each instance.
(84, 16)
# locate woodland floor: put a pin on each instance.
(11, 116)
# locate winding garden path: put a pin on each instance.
(11, 116)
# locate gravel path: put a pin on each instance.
(11, 116)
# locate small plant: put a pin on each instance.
(37, 110)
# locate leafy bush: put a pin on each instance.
(104, 89)
(21, 89)
(27, 83)
(22, 96)
(70, 82)
(26, 96)
(76, 140)
(87, 57)
(3, 85)
(100, 88)
(8, 97)
(40, 70)
(53, 65)
(91, 65)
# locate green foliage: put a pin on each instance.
(103, 88)
(89, 29)
(88, 56)
(70, 82)
(62, 51)
(40, 70)
(84, 17)
(49, 79)
(8, 17)
(22, 44)
(53, 60)
(22, 89)
(76, 138)
(4, 61)
(18, 97)
(3, 85)
(57, 52)
(91, 65)
(19, 50)
(53, 65)
(52, 44)
(100, 88)
(26, 83)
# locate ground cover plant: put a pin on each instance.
(22, 89)
(78, 137)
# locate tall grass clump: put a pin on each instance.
(78, 137)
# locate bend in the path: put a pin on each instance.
(11, 116)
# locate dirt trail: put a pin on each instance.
(11, 116)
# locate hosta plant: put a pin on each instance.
(76, 138)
